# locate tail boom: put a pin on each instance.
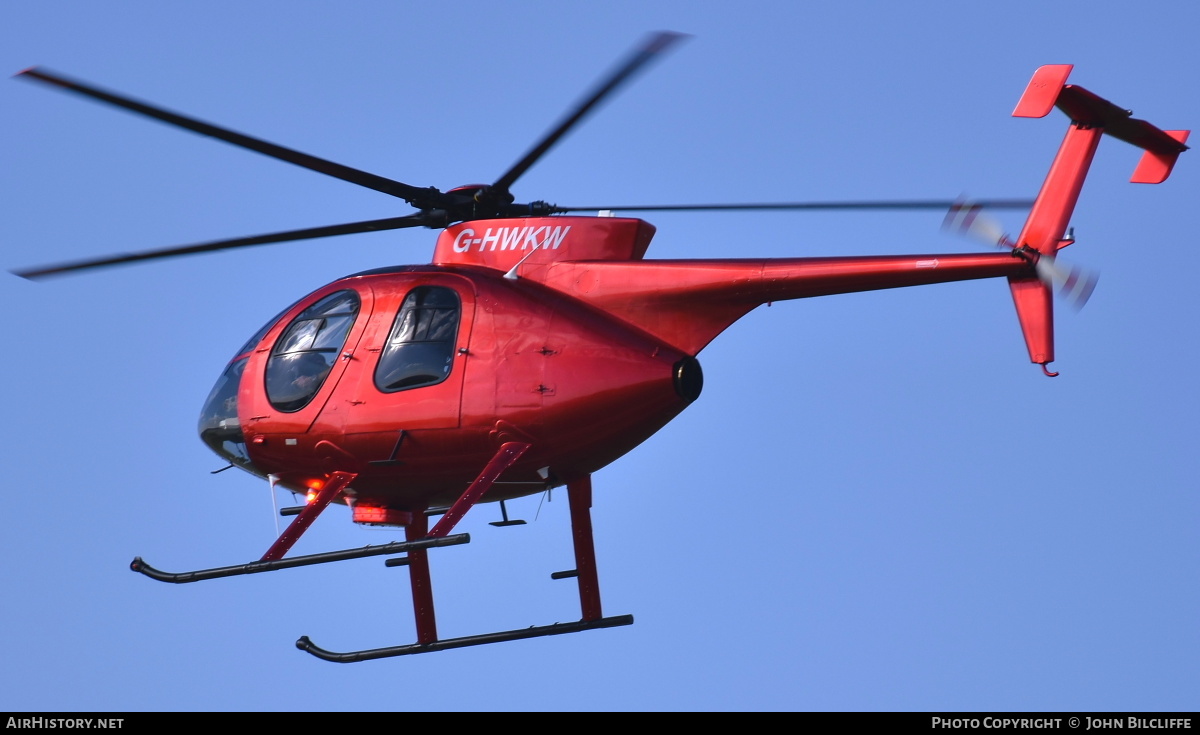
(687, 303)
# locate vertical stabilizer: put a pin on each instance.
(1043, 234)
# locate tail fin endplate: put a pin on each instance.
(1091, 116)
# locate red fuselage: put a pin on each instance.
(548, 331)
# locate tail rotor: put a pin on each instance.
(1074, 284)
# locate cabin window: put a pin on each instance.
(420, 349)
(307, 350)
(219, 426)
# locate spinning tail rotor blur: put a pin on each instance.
(1073, 284)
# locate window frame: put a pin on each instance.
(308, 315)
(390, 346)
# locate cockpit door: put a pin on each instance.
(295, 370)
(407, 371)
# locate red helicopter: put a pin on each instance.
(539, 346)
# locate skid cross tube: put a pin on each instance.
(337, 482)
(504, 458)
(396, 547)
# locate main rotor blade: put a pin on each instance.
(938, 204)
(374, 225)
(650, 48)
(418, 197)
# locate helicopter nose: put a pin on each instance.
(219, 426)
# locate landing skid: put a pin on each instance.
(579, 494)
(304, 644)
(419, 538)
(254, 567)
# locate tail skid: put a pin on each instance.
(1044, 230)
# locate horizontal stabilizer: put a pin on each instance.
(1043, 89)
(1154, 168)
(1048, 89)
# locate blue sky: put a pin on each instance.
(877, 504)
